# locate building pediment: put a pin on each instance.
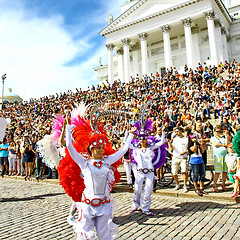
(144, 10)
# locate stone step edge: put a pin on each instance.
(161, 192)
(183, 195)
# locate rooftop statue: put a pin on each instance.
(110, 19)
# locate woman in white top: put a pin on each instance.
(12, 158)
(95, 209)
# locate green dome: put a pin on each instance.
(11, 97)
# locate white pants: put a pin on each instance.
(100, 217)
(19, 165)
(128, 167)
(12, 160)
(146, 199)
(22, 167)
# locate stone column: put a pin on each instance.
(212, 37)
(135, 53)
(195, 42)
(143, 38)
(110, 48)
(219, 40)
(188, 40)
(126, 42)
(120, 64)
(167, 46)
(225, 46)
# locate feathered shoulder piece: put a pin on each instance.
(48, 151)
(70, 177)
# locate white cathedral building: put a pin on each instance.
(152, 35)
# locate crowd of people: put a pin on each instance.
(183, 106)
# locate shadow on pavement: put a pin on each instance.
(179, 210)
(139, 217)
(30, 198)
(199, 206)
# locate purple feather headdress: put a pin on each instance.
(144, 125)
(142, 132)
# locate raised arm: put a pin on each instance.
(160, 143)
(117, 155)
(77, 157)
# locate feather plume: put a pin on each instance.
(48, 151)
(80, 110)
(57, 126)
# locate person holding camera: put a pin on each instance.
(195, 150)
(202, 139)
(219, 143)
(28, 157)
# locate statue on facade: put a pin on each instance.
(110, 19)
(100, 61)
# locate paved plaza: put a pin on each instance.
(32, 210)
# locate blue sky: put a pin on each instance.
(49, 46)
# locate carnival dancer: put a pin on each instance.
(96, 162)
(146, 160)
(51, 148)
(129, 166)
(236, 177)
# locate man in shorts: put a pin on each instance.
(179, 146)
(4, 156)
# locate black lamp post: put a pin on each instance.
(3, 79)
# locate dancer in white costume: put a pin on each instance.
(145, 171)
(95, 208)
(143, 155)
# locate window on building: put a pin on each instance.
(204, 39)
(183, 45)
(162, 70)
(157, 51)
(174, 46)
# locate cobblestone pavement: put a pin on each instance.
(34, 211)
